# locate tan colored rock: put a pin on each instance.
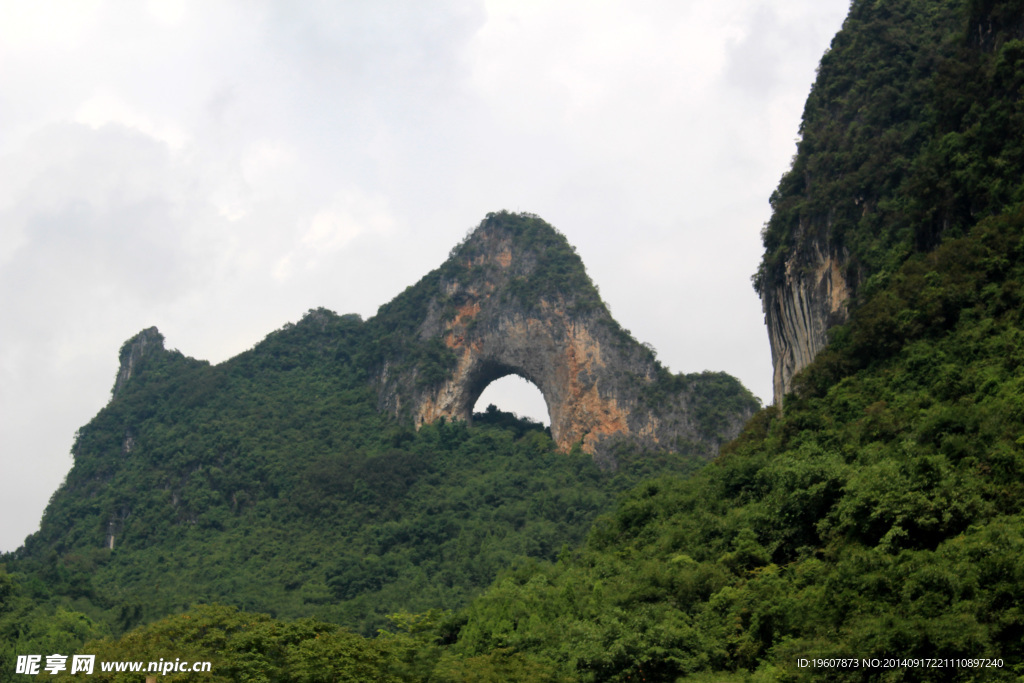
(799, 312)
(514, 299)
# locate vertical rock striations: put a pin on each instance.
(800, 308)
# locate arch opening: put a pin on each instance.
(512, 393)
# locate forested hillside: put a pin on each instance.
(877, 515)
(910, 135)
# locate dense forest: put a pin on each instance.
(877, 514)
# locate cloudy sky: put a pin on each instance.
(218, 168)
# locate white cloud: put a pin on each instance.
(333, 228)
(47, 24)
(269, 168)
(105, 108)
(216, 169)
(168, 12)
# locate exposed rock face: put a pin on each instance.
(514, 299)
(800, 310)
(133, 352)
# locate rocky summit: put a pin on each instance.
(514, 298)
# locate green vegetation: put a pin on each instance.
(246, 646)
(715, 399)
(881, 514)
(33, 621)
(273, 482)
(555, 268)
(242, 646)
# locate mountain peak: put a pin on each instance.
(515, 298)
(133, 351)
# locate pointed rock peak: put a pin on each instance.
(133, 352)
(514, 299)
(523, 249)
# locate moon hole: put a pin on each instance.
(513, 394)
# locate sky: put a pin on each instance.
(219, 168)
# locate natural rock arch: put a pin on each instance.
(514, 298)
(551, 349)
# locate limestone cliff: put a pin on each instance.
(514, 298)
(799, 309)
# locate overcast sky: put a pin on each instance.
(218, 168)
